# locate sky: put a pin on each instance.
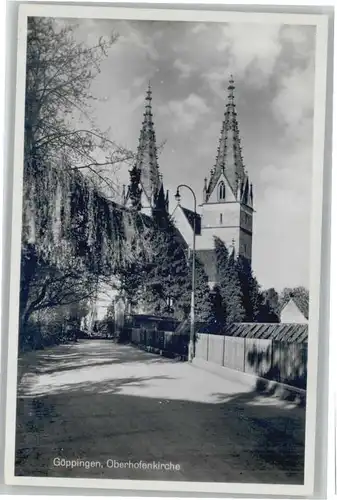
(189, 65)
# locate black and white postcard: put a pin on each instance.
(166, 249)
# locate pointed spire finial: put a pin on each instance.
(147, 158)
(148, 102)
(231, 88)
(229, 158)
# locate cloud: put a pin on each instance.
(140, 81)
(294, 103)
(184, 68)
(251, 45)
(257, 55)
(274, 73)
(249, 51)
(185, 114)
(294, 34)
(299, 39)
(139, 41)
(199, 28)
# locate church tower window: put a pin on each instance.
(220, 219)
(221, 191)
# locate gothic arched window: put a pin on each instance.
(221, 191)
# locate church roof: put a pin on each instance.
(191, 216)
(229, 159)
(301, 302)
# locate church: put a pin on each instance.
(226, 210)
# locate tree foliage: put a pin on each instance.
(134, 188)
(72, 234)
(60, 72)
(300, 294)
(252, 298)
(204, 308)
(161, 283)
(49, 294)
(271, 306)
(229, 283)
(238, 296)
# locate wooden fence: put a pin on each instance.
(279, 361)
(163, 342)
(274, 360)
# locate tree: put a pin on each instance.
(218, 310)
(252, 298)
(228, 283)
(232, 293)
(134, 188)
(52, 288)
(271, 306)
(161, 280)
(60, 71)
(58, 270)
(48, 293)
(133, 274)
(221, 255)
(203, 298)
(167, 278)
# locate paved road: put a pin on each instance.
(98, 401)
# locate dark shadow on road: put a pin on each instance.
(281, 435)
(235, 440)
(241, 437)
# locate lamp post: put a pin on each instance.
(191, 344)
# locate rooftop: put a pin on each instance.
(190, 216)
(301, 302)
(287, 332)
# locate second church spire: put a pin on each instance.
(146, 190)
(229, 159)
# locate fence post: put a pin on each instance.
(244, 355)
(223, 350)
(207, 350)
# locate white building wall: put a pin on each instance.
(291, 314)
(211, 215)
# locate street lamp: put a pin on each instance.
(191, 344)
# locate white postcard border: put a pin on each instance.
(132, 13)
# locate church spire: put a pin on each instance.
(145, 180)
(229, 160)
(147, 159)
